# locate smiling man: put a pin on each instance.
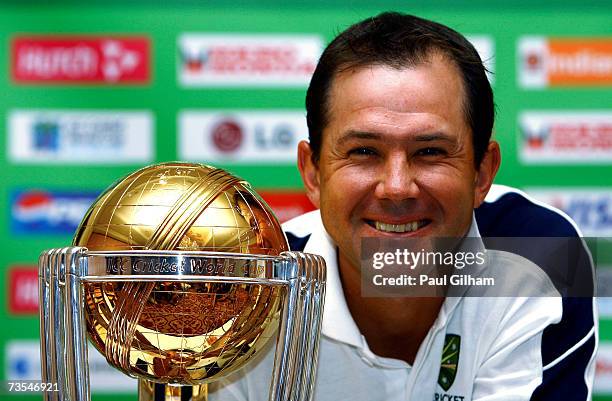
(396, 160)
(400, 114)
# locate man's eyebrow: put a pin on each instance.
(351, 134)
(436, 136)
(430, 137)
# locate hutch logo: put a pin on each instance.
(241, 136)
(80, 59)
(559, 137)
(548, 62)
(46, 212)
(255, 60)
(23, 290)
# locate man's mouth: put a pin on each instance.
(398, 228)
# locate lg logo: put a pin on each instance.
(277, 136)
(227, 136)
(230, 136)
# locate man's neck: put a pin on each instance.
(393, 327)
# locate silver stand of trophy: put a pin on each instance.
(244, 300)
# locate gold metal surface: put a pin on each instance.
(178, 206)
(181, 332)
(184, 333)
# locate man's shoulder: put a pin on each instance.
(299, 229)
(509, 212)
(516, 276)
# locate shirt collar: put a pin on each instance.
(338, 323)
(450, 303)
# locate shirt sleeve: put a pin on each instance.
(512, 367)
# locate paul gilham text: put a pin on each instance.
(426, 280)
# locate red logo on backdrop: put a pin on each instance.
(227, 136)
(564, 136)
(253, 59)
(287, 205)
(80, 59)
(533, 61)
(582, 135)
(536, 138)
(23, 290)
(603, 367)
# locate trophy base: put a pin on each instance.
(150, 391)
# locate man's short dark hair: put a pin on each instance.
(399, 41)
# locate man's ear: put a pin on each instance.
(486, 173)
(309, 172)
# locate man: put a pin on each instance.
(400, 114)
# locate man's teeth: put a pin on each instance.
(397, 228)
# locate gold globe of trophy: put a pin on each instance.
(180, 274)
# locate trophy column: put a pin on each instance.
(149, 391)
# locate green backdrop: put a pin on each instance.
(163, 22)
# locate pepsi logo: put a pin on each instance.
(48, 212)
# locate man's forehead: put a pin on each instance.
(373, 119)
(433, 88)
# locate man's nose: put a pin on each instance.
(397, 180)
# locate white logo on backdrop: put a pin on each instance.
(87, 137)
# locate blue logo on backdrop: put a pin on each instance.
(46, 136)
(48, 212)
(21, 366)
(592, 215)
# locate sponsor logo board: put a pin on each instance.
(576, 137)
(603, 369)
(286, 204)
(241, 136)
(590, 208)
(557, 62)
(265, 60)
(604, 286)
(80, 59)
(22, 360)
(48, 211)
(23, 363)
(485, 47)
(23, 290)
(247, 60)
(86, 137)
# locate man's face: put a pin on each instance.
(396, 157)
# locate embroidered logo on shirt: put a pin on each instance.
(450, 361)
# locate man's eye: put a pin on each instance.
(362, 151)
(431, 152)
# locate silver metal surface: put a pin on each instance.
(180, 264)
(77, 369)
(64, 272)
